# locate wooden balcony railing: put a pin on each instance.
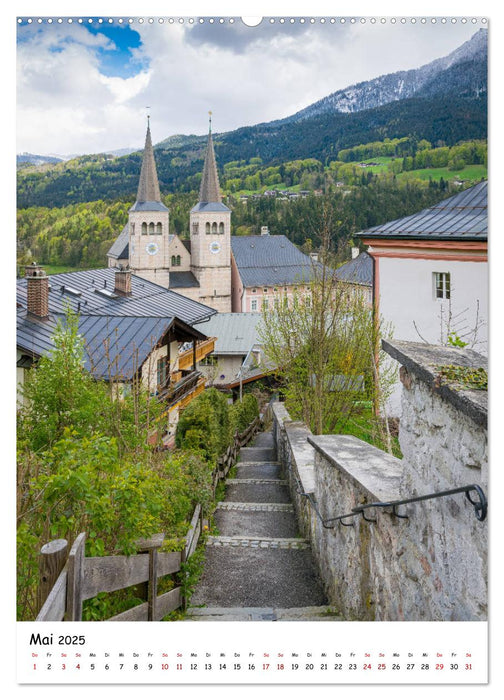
(173, 392)
(204, 348)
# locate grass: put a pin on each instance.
(57, 269)
(363, 425)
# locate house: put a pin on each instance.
(357, 274)
(132, 331)
(264, 267)
(431, 273)
(235, 335)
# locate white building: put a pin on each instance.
(431, 273)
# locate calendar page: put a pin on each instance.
(252, 347)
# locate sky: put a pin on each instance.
(86, 87)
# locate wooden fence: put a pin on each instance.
(66, 580)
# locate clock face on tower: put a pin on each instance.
(151, 248)
(214, 247)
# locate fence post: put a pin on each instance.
(52, 559)
(75, 573)
(151, 546)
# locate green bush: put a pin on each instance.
(244, 412)
(205, 426)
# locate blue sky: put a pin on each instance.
(83, 87)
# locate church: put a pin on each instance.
(198, 268)
(227, 273)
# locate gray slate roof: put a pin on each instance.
(461, 217)
(269, 261)
(210, 206)
(115, 347)
(357, 271)
(182, 280)
(85, 291)
(120, 247)
(236, 333)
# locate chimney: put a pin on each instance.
(355, 253)
(122, 284)
(38, 291)
(264, 231)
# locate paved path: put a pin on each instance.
(258, 568)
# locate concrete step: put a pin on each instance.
(257, 454)
(257, 491)
(246, 576)
(261, 470)
(254, 523)
(257, 541)
(307, 613)
(263, 440)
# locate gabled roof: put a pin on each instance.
(462, 217)
(120, 247)
(236, 333)
(91, 292)
(357, 271)
(115, 346)
(270, 260)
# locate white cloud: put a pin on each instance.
(66, 105)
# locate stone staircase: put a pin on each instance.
(258, 568)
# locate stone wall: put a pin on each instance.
(431, 565)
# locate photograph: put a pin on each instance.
(252, 322)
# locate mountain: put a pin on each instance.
(32, 159)
(444, 102)
(448, 74)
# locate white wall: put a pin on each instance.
(406, 291)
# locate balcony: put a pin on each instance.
(181, 386)
(189, 357)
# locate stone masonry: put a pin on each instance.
(431, 565)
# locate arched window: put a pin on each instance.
(144, 228)
(214, 227)
(207, 227)
(173, 260)
(151, 227)
(178, 260)
(221, 227)
(159, 227)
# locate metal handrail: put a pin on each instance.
(480, 505)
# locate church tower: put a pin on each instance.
(210, 228)
(148, 224)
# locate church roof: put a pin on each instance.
(120, 247)
(461, 217)
(270, 260)
(210, 188)
(148, 196)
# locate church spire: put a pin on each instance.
(210, 189)
(148, 187)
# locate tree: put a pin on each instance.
(324, 344)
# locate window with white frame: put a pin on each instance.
(442, 285)
(253, 305)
